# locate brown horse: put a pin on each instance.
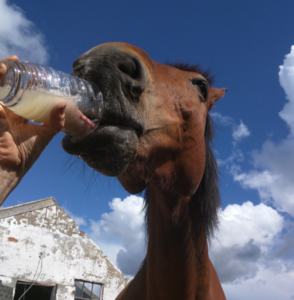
(155, 135)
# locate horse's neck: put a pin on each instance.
(177, 261)
(177, 266)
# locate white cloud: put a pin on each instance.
(121, 234)
(240, 132)
(273, 174)
(272, 188)
(286, 76)
(78, 220)
(267, 284)
(236, 155)
(252, 253)
(19, 36)
(246, 233)
(225, 120)
(241, 223)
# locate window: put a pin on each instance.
(39, 290)
(88, 290)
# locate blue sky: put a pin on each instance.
(243, 43)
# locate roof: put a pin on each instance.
(26, 207)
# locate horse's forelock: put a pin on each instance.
(193, 68)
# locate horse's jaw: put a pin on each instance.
(121, 77)
(105, 150)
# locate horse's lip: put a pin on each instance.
(136, 127)
(130, 123)
(120, 121)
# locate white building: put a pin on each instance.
(40, 243)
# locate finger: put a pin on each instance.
(56, 119)
(47, 131)
(3, 70)
(4, 125)
(10, 58)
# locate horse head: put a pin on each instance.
(154, 119)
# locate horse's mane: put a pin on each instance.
(207, 195)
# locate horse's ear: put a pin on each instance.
(214, 95)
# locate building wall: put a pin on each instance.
(5, 292)
(68, 253)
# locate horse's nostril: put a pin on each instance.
(137, 90)
(130, 67)
(133, 75)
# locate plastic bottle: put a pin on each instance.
(31, 90)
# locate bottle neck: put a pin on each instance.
(14, 83)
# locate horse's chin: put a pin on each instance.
(108, 149)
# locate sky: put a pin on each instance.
(249, 46)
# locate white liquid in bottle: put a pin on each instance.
(31, 91)
(3, 93)
(36, 105)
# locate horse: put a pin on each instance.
(156, 135)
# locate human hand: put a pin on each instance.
(22, 143)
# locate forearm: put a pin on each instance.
(8, 181)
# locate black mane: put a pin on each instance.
(193, 68)
(208, 191)
(207, 194)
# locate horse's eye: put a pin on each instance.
(202, 86)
